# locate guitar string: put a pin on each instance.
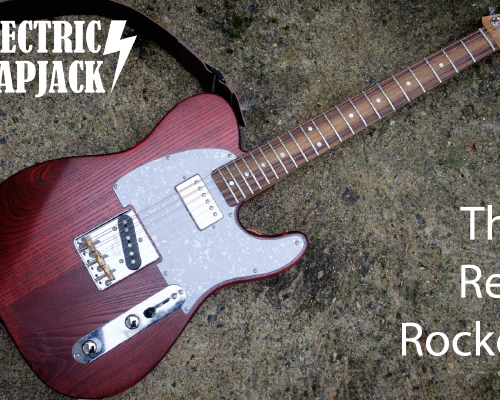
(477, 35)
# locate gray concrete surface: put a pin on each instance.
(381, 211)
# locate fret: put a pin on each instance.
(369, 101)
(409, 69)
(327, 145)
(390, 102)
(307, 137)
(468, 51)
(395, 80)
(360, 116)
(249, 170)
(488, 40)
(258, 166)
(279, 159)
(243, 176)
(342, 115)
(227, 184)
(236, 181)
(449, 59)
(335, 130)
(430, 66)
(300, 148)
(291, 158)
(268, 163)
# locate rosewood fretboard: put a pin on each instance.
(255, 171)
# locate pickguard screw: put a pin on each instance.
(297, 242)
(115, 228)
(168, 157)
(186, 308)
(108, 283)
(165, 273)
(230, 215)
(115, 186)
(230, 155)
(140, 239)
(183, 177)
(181, 292)
(213, 226)
(76, 355)
(255, 270)
(121, 261)
(174, 296)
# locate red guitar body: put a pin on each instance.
(47, 301)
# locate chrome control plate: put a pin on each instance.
(199, 202)
(109, 239)
(128, 324)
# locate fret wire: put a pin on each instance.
(243, 176)
(390, 102)
(430, 66)
(451, 62)
(468, 51)
(300, 148)
(488, 40)
(254, 178)
(268, 163)
(335, 130)
(236, 181)
(279, 159)
(395, 80)
(369, 101)
(360, 116)
(309, 140)
(255, 161)
(291, 158)
(409, 69)
(338, 109)
(327, 145)
(227, 184)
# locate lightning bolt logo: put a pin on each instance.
(115, 43)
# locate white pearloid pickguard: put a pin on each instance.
(193, 259)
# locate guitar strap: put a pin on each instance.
(210, 79)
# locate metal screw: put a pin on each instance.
(181, 292)
(115, 228)
(167, 157)
(230, 215)
(186, 308)
(255, 270)
(297, 242)
(165, 273)
(495, 21)
(230, 155)
(108, 283)
(140, 239)
(215, 214)
(76, 355)
(121, 261)
(213, 226)
(183, 177)
(115, 186)
(211, 207)
(89, 347)
(174, 296)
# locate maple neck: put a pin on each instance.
(246, 176)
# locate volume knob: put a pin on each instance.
(132, 321)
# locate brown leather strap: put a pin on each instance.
(209, 78)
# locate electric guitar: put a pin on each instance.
(105, 259)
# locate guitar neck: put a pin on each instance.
(248, 175)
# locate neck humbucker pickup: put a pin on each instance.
(199, 202)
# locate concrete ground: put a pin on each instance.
(381, 211)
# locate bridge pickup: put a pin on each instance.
(116, 249)
(199, 202)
